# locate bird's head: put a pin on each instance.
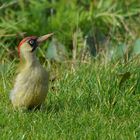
(27, 47)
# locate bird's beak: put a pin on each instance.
(44, 37)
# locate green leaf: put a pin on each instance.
(121, 49)
(56, 51)
(136, 49)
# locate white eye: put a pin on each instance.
(31, 42)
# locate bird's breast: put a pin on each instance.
(31, 86)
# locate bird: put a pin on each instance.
(31, 83)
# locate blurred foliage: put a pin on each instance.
(77, 24)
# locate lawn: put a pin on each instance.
(96, 100)
(94, 64)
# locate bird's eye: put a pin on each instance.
(31, 42)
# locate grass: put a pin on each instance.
(75, 23)
(91, 103)
(98, 100)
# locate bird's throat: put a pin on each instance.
(28, 59)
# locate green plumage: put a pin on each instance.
(31, 84)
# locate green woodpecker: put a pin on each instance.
(31, 84)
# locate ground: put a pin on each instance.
(94, 101)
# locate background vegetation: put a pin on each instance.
(93, 60)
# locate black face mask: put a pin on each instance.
(33, 43)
